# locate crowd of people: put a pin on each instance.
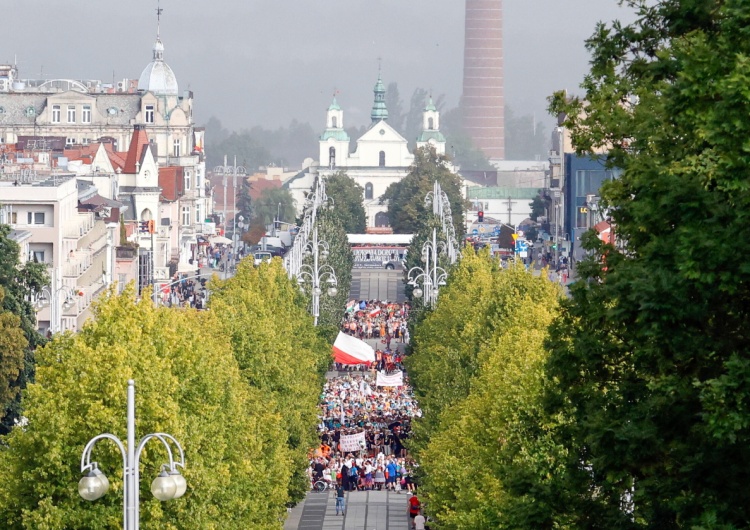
(375, 319)
(186, 292)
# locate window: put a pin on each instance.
(86, 114)
(198, 217)
(70, 140)
(187, 180)
(55, 113)
(177, 145)
(38, 256)
(430, 123)
(85, 141)
(368, 190)
(381, 162)
(332, 157)
(35, 218)
(149, 114)
(185, 215)
(334, 122)
(71, 113)
(13, 218)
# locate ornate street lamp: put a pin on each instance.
(169, 484)
(316, 273)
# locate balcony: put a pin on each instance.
(77, 263)
(79, 226)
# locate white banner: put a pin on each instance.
(352, 442)
(394, 379)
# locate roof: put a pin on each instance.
(138, 143)
(426, 136)
(158, 77)
(379, 239)
(336, 134)
(334, 105)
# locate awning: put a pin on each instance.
(351, 350)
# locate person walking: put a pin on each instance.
(341, 500)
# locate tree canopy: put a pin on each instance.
(407, 210)
(348, 210)
(188, 384)
(485, 447)
(649, 360)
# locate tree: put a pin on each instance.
(347, 195)
(18, 281)
(480, 380)
(188, 384)
(413, 123)
(649, 360)
(13, 346)
(406, 199)
(341, 259)
(249, 152)
(525, 138)
(395, 107)
(272, 202)
(279, 354)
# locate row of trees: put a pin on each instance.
(623, 406)
(237, 385)
(477, 365)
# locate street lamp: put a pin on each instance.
(432, 277)
(316, 273)
(50, 295)
(169, 484)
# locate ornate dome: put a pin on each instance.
(158, 77)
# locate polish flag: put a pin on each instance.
(375, 312)
(351, 350)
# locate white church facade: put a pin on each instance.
(381, 156)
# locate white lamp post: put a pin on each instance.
(170, 484)
(317, 273)
(431, 277)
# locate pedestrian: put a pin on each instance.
(414, 508)
(419, 522)
(341, 500)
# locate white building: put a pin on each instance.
(381, 156)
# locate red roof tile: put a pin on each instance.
(138, 143)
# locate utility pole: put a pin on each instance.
(153, 272)
(510, 211)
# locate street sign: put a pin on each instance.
(475, 232)
(515, 237)
(496, 230)
(481, 229)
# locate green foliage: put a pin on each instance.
(341, 259)
(265, 208)
(279, 354)
(525, 138)
(13, 345)
(18, 281)
(406, 199)
(188, 384)
(348, 211)
(484, 443)
(649, 360)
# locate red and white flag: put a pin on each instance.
(351, 350)
(375, 312)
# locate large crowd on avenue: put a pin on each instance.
(352, 407)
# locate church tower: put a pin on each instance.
(483, 97)
(379, 110)
(431, 134)
(334, 142)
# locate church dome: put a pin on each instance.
(158, 77)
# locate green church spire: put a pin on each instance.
(379, 110)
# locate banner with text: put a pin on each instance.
(392, 379)
(352, 442)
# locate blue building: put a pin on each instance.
(584, 176)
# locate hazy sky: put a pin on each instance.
(266, 62)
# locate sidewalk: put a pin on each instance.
(365, 510)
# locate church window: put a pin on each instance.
(55, 113)
(334, 122)
(149, 114)
(368, 190)
(381, 162)
(430, 123)
(332, 157)
(86, 114)
(177, 148)
(146, 215)
(381, 219)
(71, 113)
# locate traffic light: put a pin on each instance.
(152, 226)
(143, 227)
(480, 216)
